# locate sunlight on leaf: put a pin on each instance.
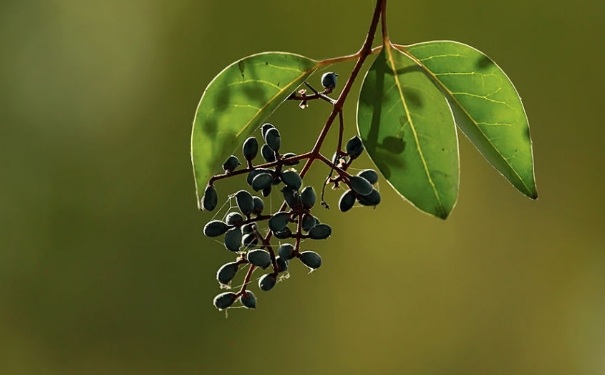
(236, 102)
(407, 127)
(486, 106)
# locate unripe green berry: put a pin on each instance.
(291, 179)
(261, 181)
(224, 300)
(347, 200)
(308, 197)
(248, 299)
(244, 202)
(360, 185)
(259, 258)
(310, 259)
(234, 218)
(267, 282)
(215, 228)
(320, 232)
(250, 148)
(226, 273)
(233, 239)
(273, 139)
(286, 251)
(210, 199)
(279, 221)
(370, 175)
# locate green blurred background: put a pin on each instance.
(103, 269)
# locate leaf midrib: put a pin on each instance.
(389, 49)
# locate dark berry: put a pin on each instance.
(259, 258)
(370, 175)
(320, 232)
(273, 139)
(287, 156)
(291, 179)
(347, 200)
(283, 234)
(266, 126)
(231, 163)
(224, 300)
(248, 299)
(250, 239)
(291, 197)
(308, 197)
(268, 153)
(259, 205)
(261, 181)
(286, 251)
(250, 148)
(282, 264)
(372, 199)
(308, 222)
(279, 221)
(226, 273)
(233, 239)
(210, 199)
(244, 202)
(215, 228)
(267, 282)
(310, 259)
(234, 218)
(354, 147)
(360, 185)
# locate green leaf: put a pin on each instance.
(236, 102)
(408, 130)
(485, 104)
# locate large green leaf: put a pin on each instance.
(408, 130)
(236, 102)
(485, 104)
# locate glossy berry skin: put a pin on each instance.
(210, 199)
(328, 80)
(347, 200)
(279, 221)
(231, 163)
(259, 258)
(308, 222)
(259, 205)
(282, 264)
(268, 153)
(226, 273)
(370, 175)
(266, 126)
(310, 259)
(250, 239)
(291, 179)
(250, 148)
(354, 147)
(360, 185)
(248, 299)
(234, 218)
(244, 202)
(372, 199)
(233, 239)
(267, 282)
(261, 181)
(273, 139)
(286, 251)
(215, 228)
(224, 300)
(308, 197)
(320, 232)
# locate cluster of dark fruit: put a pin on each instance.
(294, 221)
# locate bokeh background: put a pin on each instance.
(103, 268)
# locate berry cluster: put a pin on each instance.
(241, 225)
